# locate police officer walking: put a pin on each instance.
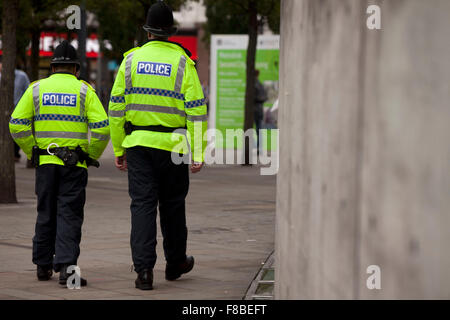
(157, 92)
(60, 108)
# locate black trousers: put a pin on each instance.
(61, 196)
(154, 179)
(16, 150)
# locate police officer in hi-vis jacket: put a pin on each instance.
(157, 92)
(50, 123)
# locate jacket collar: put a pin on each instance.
(171, 42)
(62, 73)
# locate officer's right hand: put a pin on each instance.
(196, 167)
(121, 162)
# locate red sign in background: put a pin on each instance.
(49, 40)
(189, 42)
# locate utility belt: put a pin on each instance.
(70, 157)
(129, 128)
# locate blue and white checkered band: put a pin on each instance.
(60, 117)
(100, 124)
(155, 92)
(20, 121)
(195, 103)
(117, 99)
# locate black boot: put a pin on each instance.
(44, 273)
(63, 276)
(144, 280)
(173, 272)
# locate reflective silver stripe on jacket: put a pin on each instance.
(21, 134)
(83, 92)
(128, 62)
(36, 97)
(159, 109)
(60, 134)
(102, 137)
(203, 117)
(180, 74)
(116, 113)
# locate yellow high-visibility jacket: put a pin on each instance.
(157, 85)
(61, 108)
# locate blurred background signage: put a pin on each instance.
(228, 77)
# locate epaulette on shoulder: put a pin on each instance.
(32, 83)
(190, 61)
(88, 84)
(129, 51)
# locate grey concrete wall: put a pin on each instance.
(364, 150)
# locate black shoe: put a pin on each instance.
(44, 273)
(173, 272)
(63, 276)
(144, 280)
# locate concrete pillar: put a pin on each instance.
(364, 173)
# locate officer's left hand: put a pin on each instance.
(121, 163)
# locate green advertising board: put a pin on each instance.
(228, 86)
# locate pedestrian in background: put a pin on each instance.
(260, 98)
(21, 83)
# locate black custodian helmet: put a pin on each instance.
(65, 53)
(160, 20)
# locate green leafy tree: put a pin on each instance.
(224, 17)
(33, 17)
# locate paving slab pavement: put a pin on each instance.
(230, 218)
